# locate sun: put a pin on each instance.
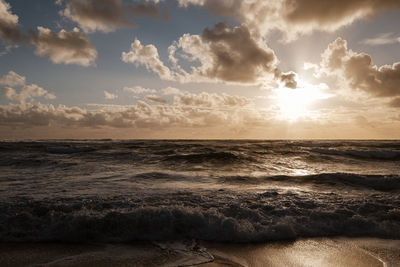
(295, 103)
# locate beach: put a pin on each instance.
(305, 252)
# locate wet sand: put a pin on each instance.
(304, 252)
(309, 252)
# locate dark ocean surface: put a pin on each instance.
(224, 191)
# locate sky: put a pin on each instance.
(200, 69)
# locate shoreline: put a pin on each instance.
(336, 251)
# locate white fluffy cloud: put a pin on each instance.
(190, 110)
(65, 47)
(294, 17)
(171, 91)
(382, 39)
(358, 71)
(225, 53)
(107, 15)
(27, 92)
(138, 90)
(9, 27)
(12, 79)
(109, 96)
(211, 100)
(156, 98)
(149, 57)
(228, 54)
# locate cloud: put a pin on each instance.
(358, 71)
(395, 103)
(211, 100)
(202, 110)
(156, 98)
(65, 47)
(27, 92)
(171, 91)
(109, 96)
(138, 90)
(288, 79)
(202, 115)
(13, 79)
(219, 8)
(383, 39)
(330, 16)
(221, 54)
(107, 15)
(9, 27)
(362, 121)
(149, 57)
(294, 17)
(228, 54)
(310, 66)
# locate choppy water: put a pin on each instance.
(238, 191)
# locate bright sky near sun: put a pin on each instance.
(199, 69)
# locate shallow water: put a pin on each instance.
(231, 191)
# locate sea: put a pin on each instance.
(231, 191)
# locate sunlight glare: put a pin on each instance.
(295, 103)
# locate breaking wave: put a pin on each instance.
(215, 216)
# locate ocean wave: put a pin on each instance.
(164, 176)
(68, 149)
(211, 157)
(363, 154)
(34, 162)
(356, 181)
(215, 216)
